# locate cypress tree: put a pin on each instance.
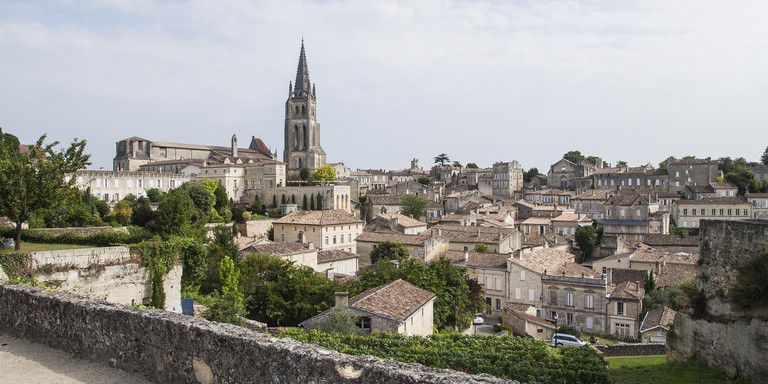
(304, 203)
(312, 202)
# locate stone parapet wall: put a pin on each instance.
(82, 258)
(84, 231)
(170, 348)
(632, 350)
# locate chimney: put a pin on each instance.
(466, 256)
(342, 299)
(234, 146)
(330, 274)
(311, 245)
(439, 232)
(637, 286)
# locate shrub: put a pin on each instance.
(102, 239)
(751, 284)
(507, 357)
(569, 330)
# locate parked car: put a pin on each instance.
(565, 340)
(478, 320)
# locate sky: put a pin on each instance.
(483, 81)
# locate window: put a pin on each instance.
(517, 293)
(497, 280)
(553, 297)
(522, 275)
(590, 301)
(620, 308)
(531, 295)
(702, 211)
(622, 329)
(569, 299)
(569, 318)
(364, 323)
(590, 322)
(326, 240)
(498, 304)
(693, 212)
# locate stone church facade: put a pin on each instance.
(302, 131)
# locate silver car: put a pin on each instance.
(565, 340)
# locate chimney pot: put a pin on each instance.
(466, 256)
(342, 299)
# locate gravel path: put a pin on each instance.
(22, 361)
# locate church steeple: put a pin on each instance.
(302, 86)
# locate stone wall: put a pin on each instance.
(112, 274)
(255, 228)
(633, 349)
(726, 245)
(171, 348)
(739, 348)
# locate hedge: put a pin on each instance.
(507, 357)
(133, 236)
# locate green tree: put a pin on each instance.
(650, 282)
(414, 206)
(227, 304)
(312, 202)
(323, 173)
(256, 205)
(530, 174)
(472, 166)
(279, 293)
(304, 174)
(665, 164)
(457, 164)
(122, 212)
(764, 158)
(388, 250)
(621, 164)
(574, 156)
(304, 204)
(36, 178)
(319, 202)
(442, 159)
(423, 180)
(143, 214)
(482, 248)
(586, 238)
(274, 201)
(176, 213)
(155, 195)
(752, 283)
(592, 159)
(194, 257)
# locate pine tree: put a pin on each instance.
(304, 205)
(312, 202)
(274, 201)
(319, 202)
(764, 159)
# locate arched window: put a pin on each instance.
(303, 110)
(297, 109)
(296, 136)
(306, 137)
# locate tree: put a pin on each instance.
(319, 201)
(621, 164)
(279, 293)
(423, 180)
(142, 212)
(530, 174)
(482, 248)
(743, 177)
(442, 159)
(388, 250)
(154, 195)
(665, 164)
(274, 201)
(227, 304)
(304, 174)
(586, 238)
(122, 212)
(472, 166)
(414, 206)
(256, 205)
(457, 164)
(592, 159)
(311, 202)
(323, 173)
(650, 282)
(574, 156)
(176, 213)
(751, 283)
(764, 158)
(304, 204)
(36, 178)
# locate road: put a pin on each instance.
(24, 362)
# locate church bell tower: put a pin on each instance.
(302, 131)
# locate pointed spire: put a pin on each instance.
(302, 84)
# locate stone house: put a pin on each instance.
(656, 324)
(567, 223)
(455, 202)
(398, 307)
(301, 254)
(575, 301)
(759, 203)
(426, 246)
(625, 304)
(760, 171)
(689, 213)
(563, 173)
(507, 179)
(466, 220)
(619, 178)
(490, 270)
(498, 240)
(329, 197)
(332, 229)
(536, 225)
(368, 180)
(629, 217)
(337, 262)
(683, 172)
(711, 190)
(527, 324)
(673, 243)
(525, 270)
(112, 186)
(670, 267)
(399, 223)
(592, 203)
(551, 196)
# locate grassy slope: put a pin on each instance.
(657, 370)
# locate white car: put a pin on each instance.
(478, 320)
(565, 340)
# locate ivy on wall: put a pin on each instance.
(17, 267)
(158, 256)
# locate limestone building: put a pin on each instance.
(302, 131)
(507, 178)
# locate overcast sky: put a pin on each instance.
(480, 81)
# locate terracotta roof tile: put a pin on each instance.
(658, 317)
(397, 300)
(330, 217)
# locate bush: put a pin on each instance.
(751, 284)
(507, 357)
(102, 239)
(569, 330)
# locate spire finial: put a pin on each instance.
(302, 85)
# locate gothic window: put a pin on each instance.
(303, 110)
(297, 109)
(296, 136)
(306, 137)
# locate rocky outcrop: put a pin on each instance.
(739, 348)
(171, 348)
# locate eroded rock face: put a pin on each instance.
(739, 348)
(171, 348)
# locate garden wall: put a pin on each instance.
(171, 348)
(633, 350)
(84, 231)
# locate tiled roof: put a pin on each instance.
(700, 188)
(278, 248)
(477, 234)
(403, 220)
(594, 194)
(479, 259)
(723, 185)
(626, 199)
(537, 221)
(531, 318)
(658, 317)
(330, 217)
(573, 217)
(671, 240)
(629, 290)
(553, 261)
(620, 275)
(648, 254)
(385, 199)
(334, 255)
(735, 200)
(758, 195)
(397, 300)
(380, 237)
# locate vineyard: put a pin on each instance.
(508, 357)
